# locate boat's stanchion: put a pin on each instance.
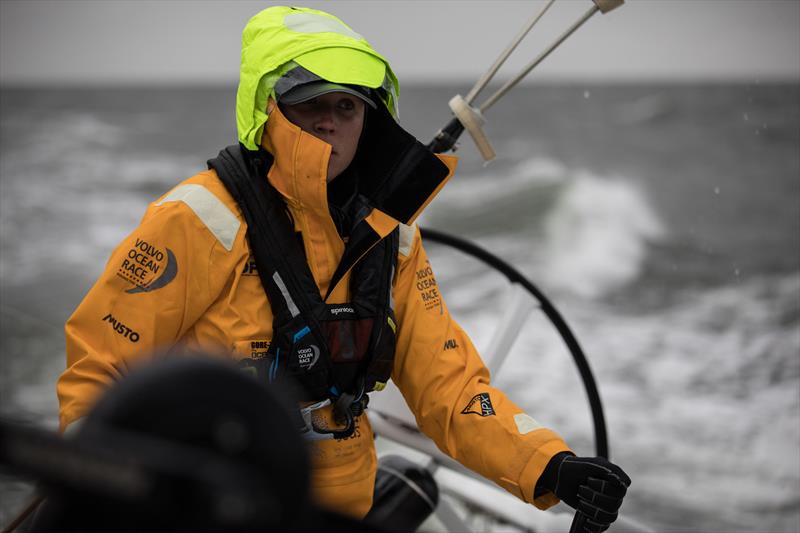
(520, 306)
(469, 117)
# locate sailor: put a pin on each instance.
(339, 296)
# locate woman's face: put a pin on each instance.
(336, 118)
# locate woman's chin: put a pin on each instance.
(333, 172)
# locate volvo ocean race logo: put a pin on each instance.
(148, 267)
(428, 288)
(307, 356)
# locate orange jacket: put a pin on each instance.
(203, 292)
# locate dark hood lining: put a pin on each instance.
(397, 172)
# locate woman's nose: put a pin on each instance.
(324, 121)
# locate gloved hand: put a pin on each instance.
(591, 485)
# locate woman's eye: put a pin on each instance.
(347, 105)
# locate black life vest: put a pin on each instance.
(336, 351)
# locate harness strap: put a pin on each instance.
(302, 322)
(284, 274)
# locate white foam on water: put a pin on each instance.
(465, 190)
(73, 194)
(702, 398)
(597, 235)
(589, 234)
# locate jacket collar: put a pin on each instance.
(300, 169)
(403, 178)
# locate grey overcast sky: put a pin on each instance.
(129, 42)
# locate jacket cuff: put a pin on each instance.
(536, 465)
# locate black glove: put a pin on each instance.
(591, 485)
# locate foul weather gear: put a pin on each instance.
(215, 299)
(185, 278)
(592, 485)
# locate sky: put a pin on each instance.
(66, 42)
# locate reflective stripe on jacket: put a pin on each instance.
(184, 277)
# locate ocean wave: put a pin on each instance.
(701, 393)
(69, 212)
(575, 230)
(597, 234)
(525, 178)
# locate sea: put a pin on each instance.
(662, 220)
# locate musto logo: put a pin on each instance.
(148, 267)
(121, 328)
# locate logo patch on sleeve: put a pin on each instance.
(480, 404)
(121, 328)
(148, 267)
(450, 344)
(526, 424)
(428, 288)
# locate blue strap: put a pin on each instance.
(300, 334)
(273, 367)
